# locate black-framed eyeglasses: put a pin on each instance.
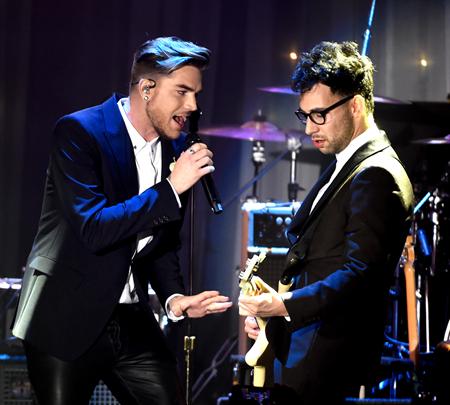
(319, 116)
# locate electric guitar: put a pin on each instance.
(253, 285)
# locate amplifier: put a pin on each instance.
(267, 224)
(102, 396)
(264, 230)
(15, 387)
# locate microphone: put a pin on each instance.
(207, 181)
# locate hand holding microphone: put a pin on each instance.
(193, 164)
(196, 163)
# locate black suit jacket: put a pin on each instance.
(90, 220)
(342, 258)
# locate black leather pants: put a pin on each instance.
(123, 358)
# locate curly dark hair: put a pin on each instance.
(164, 55)
(339, 66)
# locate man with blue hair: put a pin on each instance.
(113, 206)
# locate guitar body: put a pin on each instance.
(253, 285)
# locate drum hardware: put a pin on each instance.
(259, 131)
(428, 234)
(414, 284)
(258, 159)
(294, 145)
(433, 141)
(432, 252)
(435, 201)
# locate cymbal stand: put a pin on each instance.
(258, 159)
(434, 203)
(266, 169)
(294, 145)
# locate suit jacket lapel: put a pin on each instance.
(304, 210)
(375, 145)
(120, 147)
(304, 216)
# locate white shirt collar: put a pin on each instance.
(137, 140)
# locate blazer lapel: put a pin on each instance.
(120, 147)
(305, 218)
(303, 232)
(304, 210)
(375, 145)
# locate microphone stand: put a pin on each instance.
(216, 206)
(189, 340)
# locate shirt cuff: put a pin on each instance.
(284, 296)
(176, 194)
(169, 312)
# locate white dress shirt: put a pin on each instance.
(148, 160)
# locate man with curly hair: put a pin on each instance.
(346, 238)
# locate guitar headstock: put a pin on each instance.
(251, 267)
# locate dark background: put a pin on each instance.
(60, 56)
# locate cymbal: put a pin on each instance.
(279, 90)
(289, 91)
(433, 141)
(251, 131)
